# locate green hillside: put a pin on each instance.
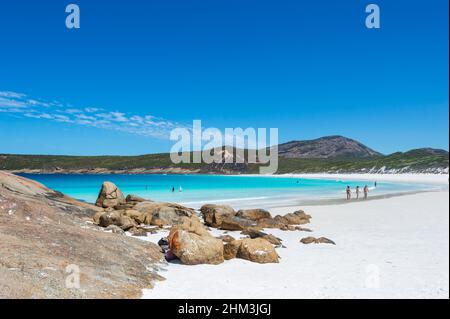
(420, 160)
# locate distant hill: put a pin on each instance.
(326, 147)
(415, 161)
(334, 154)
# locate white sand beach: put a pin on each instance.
(388, 248)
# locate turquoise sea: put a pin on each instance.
(239, 191)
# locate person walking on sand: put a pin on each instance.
(357, 192)
(349, 193)
(366, 192)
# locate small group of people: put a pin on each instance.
(173, 189)
(357, 191)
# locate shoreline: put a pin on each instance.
(343, 201)
(406, 177)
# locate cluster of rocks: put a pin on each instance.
(133, 213)
(226, 218)
(192, 243)
(189, 239)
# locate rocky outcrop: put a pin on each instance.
(132, 211)
(297, 218)
(313, 240)
(109, 196)
(237, 223)
(230, 250)
(116, 218)
(163, 214)
(259, 234)
(169, 215)
(224, 217)
(326, 147)
(193, 245)
(137, 216)
(45, 236)
(275, 222)
(254, 214)
(214, 215)
(133, 199)
(115, 229)
(226, 238)
(256, 250)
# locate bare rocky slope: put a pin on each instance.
(46, 236)
(326, 147)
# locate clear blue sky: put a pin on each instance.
(310, 68)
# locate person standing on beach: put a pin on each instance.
(366, 192)
(357, 192)
(349, 193)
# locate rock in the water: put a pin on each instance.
(313, 240)
(257, 250)
(253, 214)
(237, 223)
(109, 196)
(193, 245)
(213, 215)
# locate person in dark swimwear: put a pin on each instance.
(349, 193)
